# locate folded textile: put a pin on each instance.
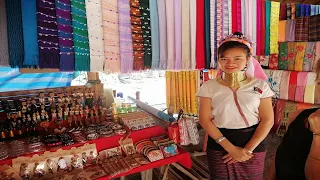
(302, 29)
(283, 56)
(309, 56)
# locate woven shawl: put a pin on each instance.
(301, 29)
(80, 35)
(126, 46)
(15, 33)
(94, 20)
(163, 34)
(225, 16)
(293, 11)
(253, 6)
(64, 19)
(273, 61)
(146, 30)
(30, 35)
(200, 38)
(186, 58)
(155, 40)
(170, 34)
(110, 23)
(213, 30)
(4, 52)
(207, 31)
(314, 30)
(193, 25)
(291, 55)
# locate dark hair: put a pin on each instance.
(233, 44)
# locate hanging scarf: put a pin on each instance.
(146, 29)
(258, 27)
(278, 114)
(309, 56)
(219, 20)
(274, 27)
(309, 90)
(64, 20)
(301, 29)
(137, 35)
(313, 28)
(262, 28)
(300, 51)
(243, 16)
(186, 61)
(317, 57)
(290, 29)
(163, 34)
(273, 62)
(126, 48)
(293, 11)
(177, 33)
(94, 18)
(80, 35)
(229, 9)
(200, 38)
(213, 30)
(292, 85)
(268, 16)
(4, 52)
(298, 10)
(291, 55)
(301, 83)
(30, 35)
(284, 84)
(193, 32)
(207, 32)
(170, 34)
(313, 10)
(283, 58)
(254, 26)
(155, 40)
(111, 36)
(49, 56)
(288, 11)
(282, 31)
(283, 11)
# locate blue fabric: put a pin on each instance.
(308, 10)
(12, 80)
(155, 39)
(207, 33)
(302, 10)
(313, 10)
(30, 32)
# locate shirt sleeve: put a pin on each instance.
(266, 90)
(204, 91)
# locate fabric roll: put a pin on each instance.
(283, 11)
(317, 57)
(301, 83)
(80, 35)
(283, 56)
(207, 31)
(229, 9)
(309, 56)
(200, 38)
(274, 27)
(137, 35)
(282, 31)
(48, 39)
(65, 34)
(163, 33)
(177, 33)
(309, 91)
(110, 23)
(291, 55)
(273, 62)
(314, 31)
(301, 29)
(193, 31)
(146, 30)
(290, 30)
(292, 85)
(30, 34)
(155, 38)
(284, 85)
(288, 11)
(125, 33)
(170, 34)
(293, 11)
(300, 52)
(4, 51)
(186, 44)
(213, 39)
(268, 16)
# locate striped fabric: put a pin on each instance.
(225, 18)
(302, 29)
(13, 80)
(213, 40)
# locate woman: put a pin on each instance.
(298, 156)
(236, 112)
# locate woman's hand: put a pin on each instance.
(314, 121)
(237, 154)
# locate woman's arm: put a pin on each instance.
(266, 122)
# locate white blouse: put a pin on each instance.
(235, 109)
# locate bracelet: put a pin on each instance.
(316, 134)
(250, 152)
(218, 141)
(314, 158)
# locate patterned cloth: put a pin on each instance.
(146, 30)
(314, 30)
(155, 40)
(274, 27)
(300, 52)
(283, 58)
(213, 28)
(293, 11)
(273, 62)
(186, 61)
(301, 29)
(291, 55)
(317, 57)
(64, 20)
(4, 51)
(264, 61)
(290, 29)
(177, 33)
(110, 23)
(163, 34)
(274, 79)
(48, 35)
(80, 35)
(309, 56)
(137, 35)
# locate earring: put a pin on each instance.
(245, 68)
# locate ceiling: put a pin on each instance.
(301, 1)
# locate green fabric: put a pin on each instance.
(146, 30)
(283, 58)
(268, 11)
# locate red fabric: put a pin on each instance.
(258, 51)
(278, 114)
(283, 11)
(234, 16)
(200, 38)
(262, 28)
(292, 85)
(239, 15)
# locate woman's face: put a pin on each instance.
(233, 60)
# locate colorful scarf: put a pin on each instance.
(291, 55)
(94, 18)
(177, 33)
(30, 35)
(155, 40)
(290, 29)
(137, 35)
(282, 31)
(309, 90)
(4, 52)
(263, 28)
(48, 39)
(301, 83)
(258, 27)
(146, 29)
(170, 34)
(253, 6)
(293, 11)
(309, 56)
(64, 20)
(207, 31)
(283, 11)
(292, 85)
(126, 48)
(110, 23)
(163, 34)
(274, 27)
(301, 29)
(213, 30)
(200, 39)
(268, 16)
(314, 31)
(284, 85)
(300, 51)
(283, 58)
(80, 35)
(193, 31)
(219, 16)
(185, 34)
(288, 11)
(317, 57)
(243, 16)
(273, 62)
